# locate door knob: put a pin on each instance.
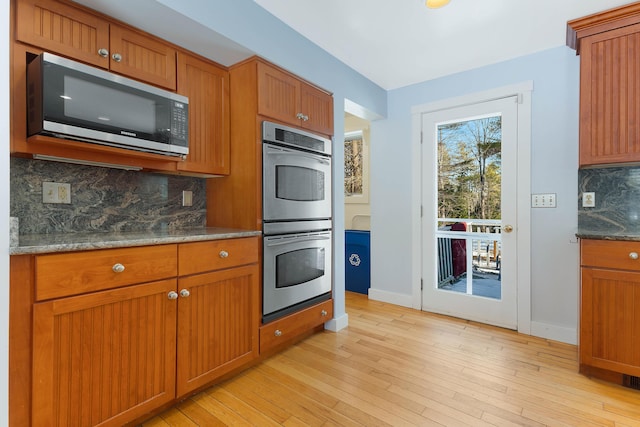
(507, 228)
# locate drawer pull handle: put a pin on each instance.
(633, 255)
(224, 254)
(323, 313)
(172, 295)
(278, 333)
(118, 268)
(185, 293)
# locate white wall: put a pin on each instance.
(4, 214)
(554, 163)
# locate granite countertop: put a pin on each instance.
(607, 235)
(66, 242)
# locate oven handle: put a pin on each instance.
(301, 239)
(300, 154)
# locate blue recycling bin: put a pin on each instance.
(357, 261)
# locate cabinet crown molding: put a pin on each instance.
(600, 22)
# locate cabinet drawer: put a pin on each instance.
(199, 257)
(283, 330)
(610, 254)
(60, 275)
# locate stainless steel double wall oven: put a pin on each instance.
(297, 213)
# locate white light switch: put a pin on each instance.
(588, 199)
(547, 200)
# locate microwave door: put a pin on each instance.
(297, 185)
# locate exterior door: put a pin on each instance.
(469, 223)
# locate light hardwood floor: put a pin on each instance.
(395, 366)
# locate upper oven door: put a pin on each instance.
(296, 184)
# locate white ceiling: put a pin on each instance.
(396, 43)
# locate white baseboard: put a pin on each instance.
(391, 297)
(337, 323)
(553, 332)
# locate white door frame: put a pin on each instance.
(523, 92)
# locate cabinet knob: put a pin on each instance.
(633, 255)
(277, 333)
(172, 295)
(507, 228)
(119, 268)
(116, 57)
(224, 254)
(323, 313)
(185, 293)
(300, 116)
(305, 118)
(103, 52)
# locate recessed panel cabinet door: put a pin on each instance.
(63, 29)
(278, 95)
(217, 324)
(609, 320)
(142, 58)
(318, 109)
(207, 87)
(610, 97)
(104, 358)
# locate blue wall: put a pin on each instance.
(554, 163)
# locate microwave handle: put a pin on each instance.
(301, 239)
(298, 153)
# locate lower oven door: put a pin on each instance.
(297, 268)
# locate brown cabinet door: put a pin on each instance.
(60, 28)
(143, 58)
(610, 97)
(207, 87)
(278, 95)
(318, 110)
(609, 320)
(104, 358)
(217, 325)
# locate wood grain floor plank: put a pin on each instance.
(394, 366)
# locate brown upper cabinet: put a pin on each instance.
(287, 99)
(207, 87)
(79, 34)
(609, 47)
(69, 31)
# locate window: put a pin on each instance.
(355, 168)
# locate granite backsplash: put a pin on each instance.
(617, 201)
(102, 199)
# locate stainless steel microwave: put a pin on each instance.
(70, 100)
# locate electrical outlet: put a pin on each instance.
(589, 199)
(547, 200)
(187, 198)
(56, 192)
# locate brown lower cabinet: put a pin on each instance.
(104, 358)
(118, 350)
(609, 309)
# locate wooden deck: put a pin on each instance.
(395, 366)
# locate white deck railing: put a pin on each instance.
(482, 241)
